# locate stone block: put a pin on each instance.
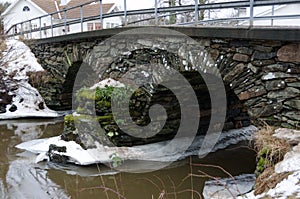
(294, 84)
(277, 75)
(275, 85)
(275, 68)
(235, 72)
(294, 103)
(244, 50)
(241, 57)
(293, 115)
(263, 48)
(289, 53)
(281, 95)
(253, 92)
(265, 111)
(263, 55)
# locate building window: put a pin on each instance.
(90, 26)
(97, 26)
(26, 9)
(107, 25)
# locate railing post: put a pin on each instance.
(30, 28)
(196, 12)
(40, 22)
(156, 16)
(65, 20)
(272, 20)
(101, 14)
(14, 30)
(81, 18)
(251, 13)
(125, 13)
(51, 25)
(22, 28)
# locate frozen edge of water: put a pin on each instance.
(103, 154)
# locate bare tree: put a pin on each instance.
(3, 6)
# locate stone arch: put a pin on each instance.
(143, 58)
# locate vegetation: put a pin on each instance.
(3, 6)
(271, 150)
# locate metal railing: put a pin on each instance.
(152, 15)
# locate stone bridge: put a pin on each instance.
(260, 67)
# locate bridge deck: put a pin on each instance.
(261, 33)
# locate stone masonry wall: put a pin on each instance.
(263, 74)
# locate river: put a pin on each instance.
(21, 177)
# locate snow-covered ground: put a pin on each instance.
(17, 61)
(289, 187)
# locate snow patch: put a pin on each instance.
(107, 82)
(27, 102)
(289, 187)
(269, 76)
(103, 154)
(228, 187)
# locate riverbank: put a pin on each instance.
(278, 162)
(277, 170)
(19, 99)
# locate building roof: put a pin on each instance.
(50, 6)
(88, 10)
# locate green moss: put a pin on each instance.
(106, 104)
(69, 119)
(263, 161)
(105, 118)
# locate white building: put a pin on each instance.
(22, 10)
(277, 10)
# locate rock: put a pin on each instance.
(276, 75)
(294, 103)
(101, 48)
(263, 48)
(235, 72)
(294, 84)
(263, 62)
(252, 92)
(293, 69)
(241, 57)
(290, 162)
(294, 115)
(13, 108)
(252, 68)
(275, 68)
(272, 43)
(287, 93)
(289, 53)
(262, 55)
(291, 135)
(265, 111)
(275, 85)
(244, 50)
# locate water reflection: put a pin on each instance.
(21, 178)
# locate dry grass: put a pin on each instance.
(3, 46)
(268, 180)
(271, 150)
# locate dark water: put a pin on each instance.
(20, 177)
